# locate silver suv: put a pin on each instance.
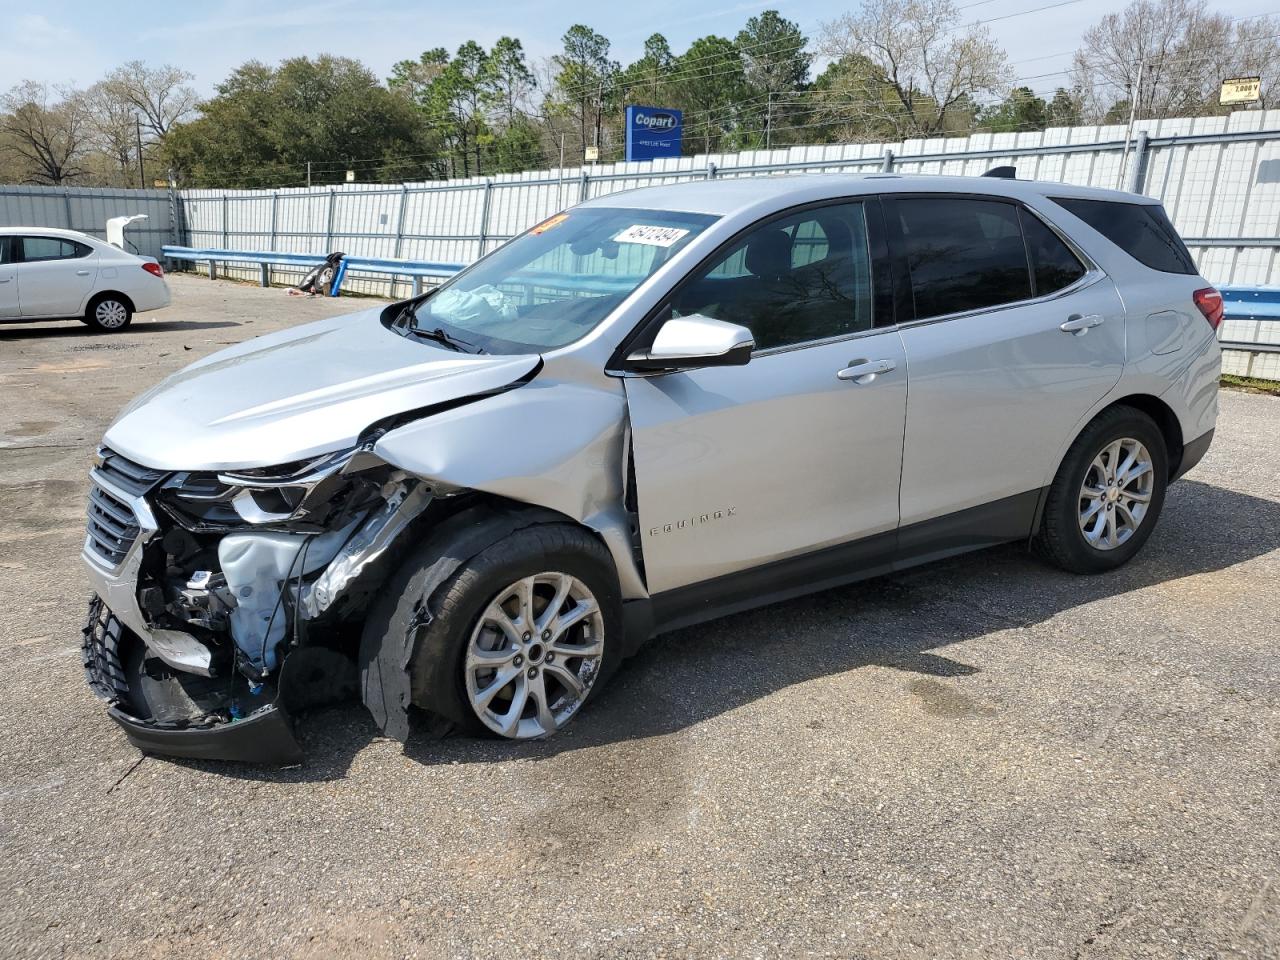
(652, 409)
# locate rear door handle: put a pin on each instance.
(82, 273)
(1078, 325)
(865, 371)
(5, 279)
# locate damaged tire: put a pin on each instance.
(518, 638)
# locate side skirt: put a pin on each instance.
(988, 524)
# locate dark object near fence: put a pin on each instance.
(320, 279)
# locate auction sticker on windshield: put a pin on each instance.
(546, 225)
(650, 236)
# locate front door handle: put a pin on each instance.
(865, 371)
(1078, 325)
(5, 279)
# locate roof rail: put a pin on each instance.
(1004, 173)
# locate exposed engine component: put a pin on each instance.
(259, 568)
(226, 583)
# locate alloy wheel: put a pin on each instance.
(1116, 493)
(534, 655)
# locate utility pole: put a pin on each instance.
(768, 120)
(142, 178)
(1134, 97)
(308, 174)
(560, 185)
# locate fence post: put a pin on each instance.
(582, 185)
(711, 170)
(328, 230)
(484, 212)
(404, 204)
(886, 165)
(66, 202)
(1138, 171)
(275, 204)
(175, 214)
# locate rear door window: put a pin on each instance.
(1053, 265)
(39, 249)
(963, 254)
(1141, 230)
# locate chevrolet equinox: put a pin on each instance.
(652, 409)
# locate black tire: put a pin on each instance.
(438, 678)
(1060, 539)
(105, 311)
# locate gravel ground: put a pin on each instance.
(984, 757)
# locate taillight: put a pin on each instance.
(1209, 302)
(158, 271)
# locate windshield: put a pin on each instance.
(555, 283)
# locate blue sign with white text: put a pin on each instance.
(652, 132)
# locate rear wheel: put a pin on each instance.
(108, 313)
(1107, 494)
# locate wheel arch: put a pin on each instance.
(1159, 411)
(1165, 419)
(103, 294)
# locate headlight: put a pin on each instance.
(303, 491)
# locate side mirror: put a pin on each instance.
(687, 343)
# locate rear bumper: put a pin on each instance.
(1193, 452)
(153, 296)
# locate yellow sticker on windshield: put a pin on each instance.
(650, 236)
(546, 225)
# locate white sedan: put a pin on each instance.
(49, 274)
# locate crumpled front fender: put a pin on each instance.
(551, 444)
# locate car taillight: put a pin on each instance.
(1209, 302)
(158, 271)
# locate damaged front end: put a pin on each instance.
(206, 583)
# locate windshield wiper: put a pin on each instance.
(439, 335)
(406, 324)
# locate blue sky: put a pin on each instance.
(76, 41)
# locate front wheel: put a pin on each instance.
(1107, 494)
(519, 638)
(108, 313)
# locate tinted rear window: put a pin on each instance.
(1141, 230)
(1052, 262)
(963, 254)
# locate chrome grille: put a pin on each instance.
(132, 478)
(113, 527)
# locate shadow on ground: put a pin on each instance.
(74, 330)
(903, 622)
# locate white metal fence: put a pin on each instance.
(87, 210)
(1219, 178)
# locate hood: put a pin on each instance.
(298, 393)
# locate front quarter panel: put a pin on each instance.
(551, 444)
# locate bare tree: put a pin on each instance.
(1183, 52)
(112, 132)
(47, 136)
(920, 66)
(161, 95)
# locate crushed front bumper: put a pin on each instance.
(112, 655)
